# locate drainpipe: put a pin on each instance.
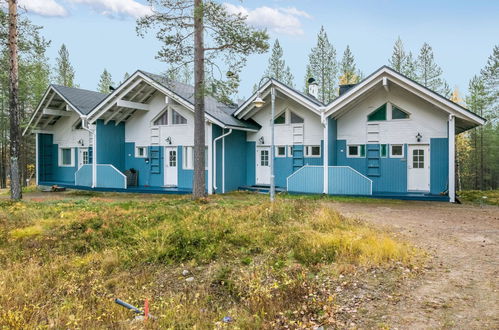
(215, 160)
(84, 125)
(452, 158)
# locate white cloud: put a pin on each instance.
(277, 20)
(43, 7)
(116, 7)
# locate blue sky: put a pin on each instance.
(101, 34)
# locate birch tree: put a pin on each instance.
(277, 67)
(323, 67)
(204, 34)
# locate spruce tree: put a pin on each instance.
(348, 70)
(126, 76)
(65, 73)
(410, 67)
(429, 74)
(490, 75)
(106, 81)
(277, 68)
(399, 57)
(323, 67)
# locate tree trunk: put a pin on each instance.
(199, 189)
(15, 130)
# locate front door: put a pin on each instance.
(418, 162)
(83, 158)
(262, 165)
(171, 173)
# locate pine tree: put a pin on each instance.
(277, 68)
(399, 57)
(490, 74)
(323, 67)
(126, 76)
(429, 74)
(65, 73)
(348, 70)
(410, 67)
(106, 81)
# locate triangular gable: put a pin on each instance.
(386, 76)
(307, 101)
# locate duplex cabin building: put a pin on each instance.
(386, 136)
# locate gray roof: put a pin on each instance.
(220, 111)
(83, 100)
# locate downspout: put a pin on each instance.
(325, 152)
(215, 159)
(452, 158)
(84, 125)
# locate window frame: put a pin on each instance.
(277, 155)
(181, 116)
(381, 150)
(290, 151)
(397, 156)
(285, 118)
(361, 151)
(145, 155)
(400, 109)
(379, 109)
(72, 157)
(291, 113)
(308, 151)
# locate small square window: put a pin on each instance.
(356, 150)
(66, 157)
(312, 151)
(280, 151)
(140, 152)
(396, 150)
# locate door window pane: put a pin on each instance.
(418, 158)
(264, 158)
(85, 157)
(173, 158)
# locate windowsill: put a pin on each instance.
(66, 165)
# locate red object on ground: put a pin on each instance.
(146, 309)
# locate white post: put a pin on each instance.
(37, 177)
(325, 152)
(223, 165)
(452, 158)
(272, 174)
(210, 159)
(94, 158)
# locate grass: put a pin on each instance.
(490, 197)
(266, 266)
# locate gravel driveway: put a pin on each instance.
(460, 291)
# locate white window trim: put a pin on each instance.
(137, 152)
(277, 152)
(184, 158)
(308, 155)
(290, 151)
(285, 118)
(72, 157)
(396, 156)
(359, 148)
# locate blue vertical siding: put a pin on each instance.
(315, 160)
(143, 167)
(111, 144)
(332, 138)
(283, 169)
(186, 177)
(439, 165)
(345, 181)
(250, 163)
(308, 180)
(46, 165)
(63, 173)
(235, 160)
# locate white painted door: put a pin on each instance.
(262, 165)
(82, 157)
(418, 162)
(171, 162)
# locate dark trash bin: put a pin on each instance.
(132, 177)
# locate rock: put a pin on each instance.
(189, 279)
(185, 272)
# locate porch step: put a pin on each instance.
(373, 160)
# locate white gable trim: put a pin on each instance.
(394, 77)
(247, 106)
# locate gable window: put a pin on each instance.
(396, 150)
(356, 150)
(280, 119)
(66, 157)
(280, 151)
(378, 114)
(312, 151)
(178, 119)
(163, 119)
(295, 119)
(398, 113)
(140, 152)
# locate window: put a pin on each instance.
(356, 150)
(264, 157)
(378, 114)
(178, 119)
(66, 157)
(280, 151)
(280, 119)
(290, 151)
(188, 158)
(383, 150)
(312, 151)
(396, 151)
(397, 113)
(140, 152)
(295, 119)
(163, 119)
(418, 158)
(84, 155)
